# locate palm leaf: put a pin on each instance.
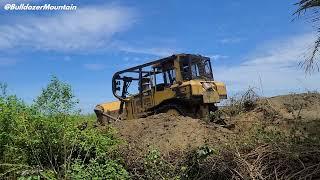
(310, 63)
(304, 5)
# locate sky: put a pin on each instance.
(251, 44)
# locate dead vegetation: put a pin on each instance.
(264, 162)
(243, 104)
(238, 104)
(271, 138)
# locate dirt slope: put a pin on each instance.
(167, 133)
(171, 133)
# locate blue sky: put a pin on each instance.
(249, 41)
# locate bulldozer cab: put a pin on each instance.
(195, 68)
(182, 68)
(158, 75)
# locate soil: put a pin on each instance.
(168, 133)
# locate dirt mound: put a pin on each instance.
(306, 105)
(169, 133)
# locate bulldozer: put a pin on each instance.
(181, 84)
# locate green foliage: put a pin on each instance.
(259, 135)
(3, 89)
(37, 177)
(56, 98)
(203, 152)
(49, 139)
(12, 111)
(194, 160)
(157, 168)
(97, 170)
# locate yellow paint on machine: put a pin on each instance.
(110, 106)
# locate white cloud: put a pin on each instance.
(94, 66)
(283, 52)
(156, 51)
(4, 62)
(231, 40)
(276, 64)
(86, 28)
(218, 57)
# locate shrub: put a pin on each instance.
(44, 140)
(155, 167)
(96, 170)
(56, 98)
(12, 111)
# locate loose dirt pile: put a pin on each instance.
(169, 133)
(177, 133)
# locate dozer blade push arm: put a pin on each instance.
(115, 87)
(126, 82)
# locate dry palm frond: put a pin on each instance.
(310, 63)
(305, 5)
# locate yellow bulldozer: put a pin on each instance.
(181, 84)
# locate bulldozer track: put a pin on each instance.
(165, 108)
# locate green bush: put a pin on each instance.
(12, 112)
(155, 167)
(96, 170)
(56, 98)
(49, 138)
